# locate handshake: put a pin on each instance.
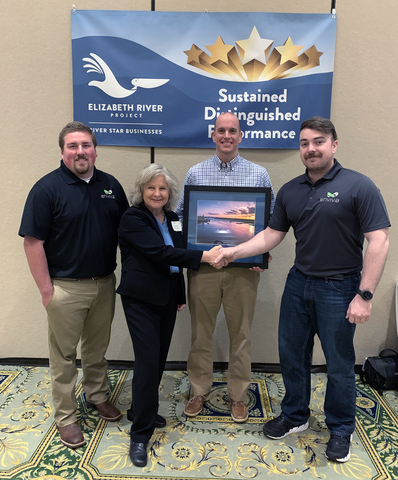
(219, 257)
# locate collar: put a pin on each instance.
(157, 224)
(231, 164)
(142, 206)
(328, 175)
(70, 177)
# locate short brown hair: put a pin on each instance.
(321, 125)
(75, 127)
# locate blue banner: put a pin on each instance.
(161, 78)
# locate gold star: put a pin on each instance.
(254, 48)
(289, 51)
(307, 60)
(193, 54)
(219, 51)
(313, 56)
(199, 59)
(249, 60)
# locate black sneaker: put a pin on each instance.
(279, 427)
(338, 448)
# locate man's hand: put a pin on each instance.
(46, 297)
(37, 260)
(373, 264)
(226, 255)
(222, 263)
(210, 255)
(259, 269)
(359, 310)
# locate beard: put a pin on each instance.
(318, 163)
(82, 168)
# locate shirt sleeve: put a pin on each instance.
(123, 202)
(371, 209)
(279, 220)
(37, 214)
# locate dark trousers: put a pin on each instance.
(151, 328)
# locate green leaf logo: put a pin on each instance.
(108, 192)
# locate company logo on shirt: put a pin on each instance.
(331, 198)
(108, 194)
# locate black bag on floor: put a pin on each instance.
(381, 372)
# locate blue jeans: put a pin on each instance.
(309, 306)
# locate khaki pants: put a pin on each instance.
(236, 289)
(79, 310)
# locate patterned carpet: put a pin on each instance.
(211, 446)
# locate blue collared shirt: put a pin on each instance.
(236, 173)
(167, 240)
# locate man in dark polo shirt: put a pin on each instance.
(69, 226)
(331, 210)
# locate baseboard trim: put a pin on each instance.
(129, 365)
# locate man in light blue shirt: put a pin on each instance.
(233, 288)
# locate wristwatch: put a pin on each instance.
(365, 294)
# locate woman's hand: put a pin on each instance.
(210, 255)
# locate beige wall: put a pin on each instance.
(36, 102)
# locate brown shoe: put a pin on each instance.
(195, 404)
(107, 411)
(239, 411)
(71, 435)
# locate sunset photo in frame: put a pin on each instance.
(226, 216)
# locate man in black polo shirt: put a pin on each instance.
(69, 226)
(331, 209)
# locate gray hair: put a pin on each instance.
(149, 173)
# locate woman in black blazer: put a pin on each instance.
(152, 291)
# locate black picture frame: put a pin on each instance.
(233, 215)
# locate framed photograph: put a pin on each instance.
(226, 216)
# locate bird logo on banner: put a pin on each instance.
(110, 85)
